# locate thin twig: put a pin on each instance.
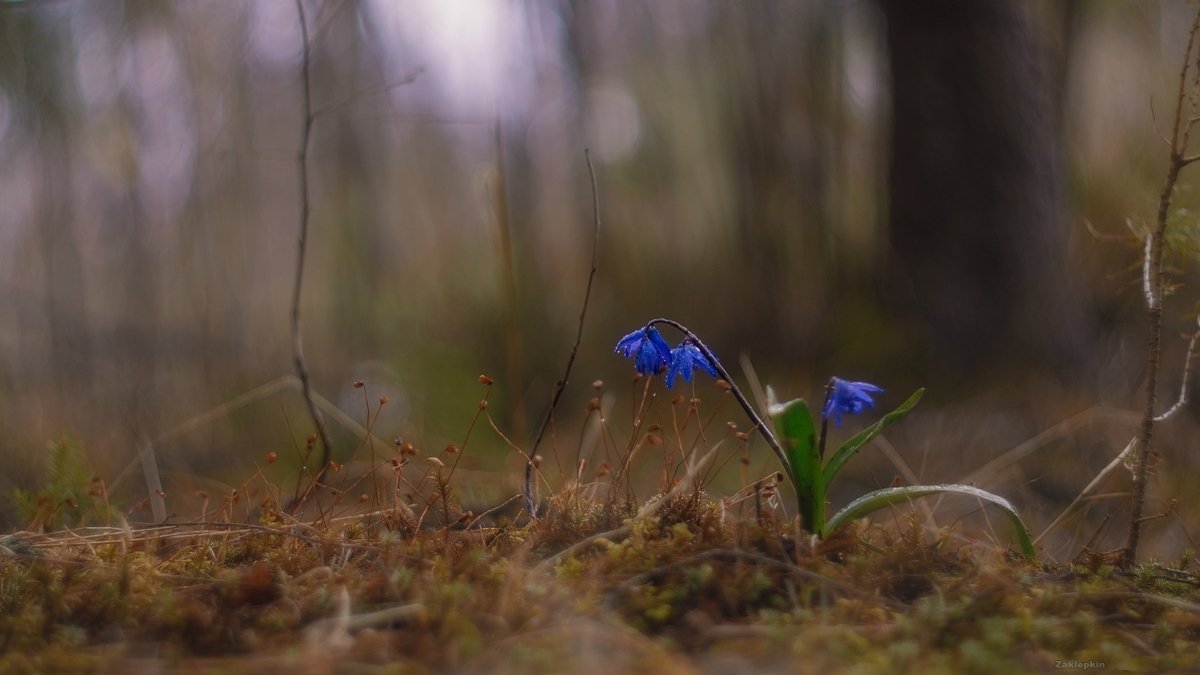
(1102, 236)
(1121, 458)
(297, 339)
(559, 386)
(1183, 387)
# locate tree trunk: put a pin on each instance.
(977, 224)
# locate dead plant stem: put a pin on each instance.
(1180, 134)
(305, 208)
(530, 504)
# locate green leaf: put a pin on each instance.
(873, 501)
(794, 424)
(856, 442)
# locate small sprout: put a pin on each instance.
(537, 461)
(483, 404)
(362, 499)
(383, 400)
(160, 493)
(335, 465)
(311, 440)
(678, 399)
(435, 462)
(451, 449)
(742, 436)
(358, 384)
(722, 384)
(598, 384)
(695, 403)
(271, 457)
(731, 425)
(637, 377)
(485, 380)
(593, 404)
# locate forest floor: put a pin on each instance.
(683, 586)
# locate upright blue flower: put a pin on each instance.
(650, 351)
(849, 397)
(684, 359)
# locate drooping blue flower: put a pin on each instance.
(650, 351)
(684, 359)
(850, 398)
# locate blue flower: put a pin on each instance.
(849, 397)
(650, 351)
(684, 359)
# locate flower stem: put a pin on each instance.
(824, 420)
(737, 393)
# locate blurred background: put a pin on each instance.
(941, 194)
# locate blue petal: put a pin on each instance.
(681, 364)
(702, 362)
(851, 398)
(627, 344)
(648, 358)
(685, 359)
(660, 345)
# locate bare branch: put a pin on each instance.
(372, 90)
(1152, 282)
(559, 386)
(297, 336)
(1183, 388)
(1157, 128)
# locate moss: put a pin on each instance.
(680, 587)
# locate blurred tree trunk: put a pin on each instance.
(45, 105)
(977, 220)
(784, 127)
